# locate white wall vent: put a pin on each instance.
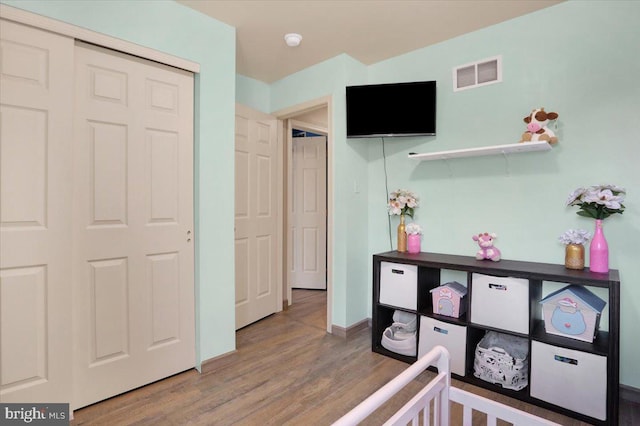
(476, 74)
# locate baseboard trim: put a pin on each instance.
(218, 362)
(630, 394)
(348, 332)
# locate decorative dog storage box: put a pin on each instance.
(502, 359)
(500, 302)
(572, 311)
(399, 285)
(400, 337)
(449, 299)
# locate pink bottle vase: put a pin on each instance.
(413, 243)
(599, 251)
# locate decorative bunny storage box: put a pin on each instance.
(449, 299)
(573, 311)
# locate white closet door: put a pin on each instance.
(36, 97)
(133, 223)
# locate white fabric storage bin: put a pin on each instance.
(500, 302)
(399, 285)
(569, 379)
(451, 336)
(502, 359)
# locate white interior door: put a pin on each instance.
(258, 192)
(133, 223)
(308, 215)
(36, 97)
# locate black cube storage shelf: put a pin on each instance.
(604, 348)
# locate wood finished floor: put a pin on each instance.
(286, 371)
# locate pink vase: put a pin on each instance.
(413, 243)
(599, 251)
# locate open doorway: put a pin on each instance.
(307, 219)
(313, 117)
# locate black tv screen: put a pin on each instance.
(396, 109)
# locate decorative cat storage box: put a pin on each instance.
(573, 311)
(449, 299)
(502, 359)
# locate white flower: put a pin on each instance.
(575, 196)
(394, 208)
(413, 229)
(575, 236)
(598, 202)
(402, 201)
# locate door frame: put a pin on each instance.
(288, 116)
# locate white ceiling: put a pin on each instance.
(369, 31)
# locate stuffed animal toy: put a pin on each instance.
(537, 129)
(487, 250)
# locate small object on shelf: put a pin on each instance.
(413, 243)
(502, 359)
(414, 234)
(574, 256)
(574, 240)
(402, 235)
(537, 129)
(599, 251)
(487, 250)
(574, 312)
(449, 299)
(400, 337)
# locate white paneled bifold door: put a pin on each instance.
(133, 223)
(36, 96)
(96, 212)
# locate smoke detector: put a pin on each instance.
(292, 39)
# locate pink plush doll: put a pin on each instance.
(487, 250)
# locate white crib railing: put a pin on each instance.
(439, 391)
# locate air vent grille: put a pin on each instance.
(480, 73)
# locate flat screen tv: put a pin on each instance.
(396, 109)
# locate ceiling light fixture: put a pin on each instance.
(292, 39)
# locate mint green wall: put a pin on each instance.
(172, 28)
(577, 58)
(253, 93)
(350, 162)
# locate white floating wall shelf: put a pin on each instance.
(486, 150)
